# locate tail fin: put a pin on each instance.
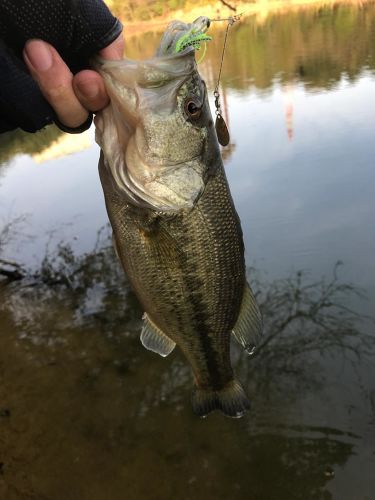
(231, 400)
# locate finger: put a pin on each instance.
(89, 87)
(55, 81)
(115, 50)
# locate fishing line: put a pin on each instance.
(220, 125)
(195, 37)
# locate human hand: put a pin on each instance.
(42, 45)
(71, 96)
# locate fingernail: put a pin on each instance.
(39, 55)
(88, 89)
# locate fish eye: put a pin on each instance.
(193, 109)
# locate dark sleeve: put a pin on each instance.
(76, 28)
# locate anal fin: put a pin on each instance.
(248, 328)
(155, 339)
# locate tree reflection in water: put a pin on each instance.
(19, 142)
(77, 323)
(303, 318)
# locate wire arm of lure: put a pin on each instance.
(231, 20)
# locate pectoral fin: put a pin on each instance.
(154, 339)
(248, 328)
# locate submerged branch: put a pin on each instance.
(11, 270)
(302, 316)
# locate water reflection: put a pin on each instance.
(86, 412)
(301, 316)
(19, 142)
(317, 46)
(75, 372)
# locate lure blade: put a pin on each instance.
(222, 130)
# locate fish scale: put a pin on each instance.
(210, 271)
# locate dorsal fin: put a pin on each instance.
(248, 328)
(155, 339)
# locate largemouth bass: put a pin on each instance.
(175, 227)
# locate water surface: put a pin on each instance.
(86, 412)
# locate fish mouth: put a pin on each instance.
(154, 170)
(97, 61)
(148, 73)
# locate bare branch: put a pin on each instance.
(228, 5)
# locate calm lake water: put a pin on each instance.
(86, 413)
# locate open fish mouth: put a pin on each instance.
(154, 132)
